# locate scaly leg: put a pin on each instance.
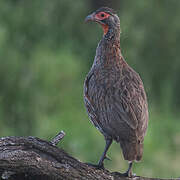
(128, 173)
(100, 163)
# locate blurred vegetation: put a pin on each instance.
(46, 51)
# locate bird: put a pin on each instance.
(114, 94)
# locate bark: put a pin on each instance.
(31, 158)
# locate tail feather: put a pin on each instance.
(132, 151)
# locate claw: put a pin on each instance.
(97, 166)
(123, 174)
(128, 173)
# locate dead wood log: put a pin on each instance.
(31, 158)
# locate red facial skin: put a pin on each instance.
(100, 16)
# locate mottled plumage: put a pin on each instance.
(114, 94)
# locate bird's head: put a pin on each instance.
(106, 17)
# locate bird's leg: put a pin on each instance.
(100, 163)
(108, 144)
(128, 173)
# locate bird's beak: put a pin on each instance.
(90, 18)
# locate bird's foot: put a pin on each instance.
(97, 166)
(126, 174)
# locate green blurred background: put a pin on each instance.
(46, 50)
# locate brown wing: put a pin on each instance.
(130, 105)
(90, 103)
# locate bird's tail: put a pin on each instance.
(132, 151)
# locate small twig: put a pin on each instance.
(58, 138)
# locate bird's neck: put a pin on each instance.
(113, 34)
(108, 51)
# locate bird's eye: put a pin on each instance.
(102, 14)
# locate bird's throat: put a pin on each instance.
(105, 28)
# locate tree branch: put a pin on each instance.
(28, 158)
